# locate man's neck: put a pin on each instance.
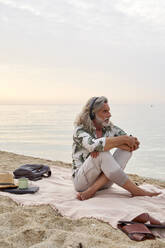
(97, 126)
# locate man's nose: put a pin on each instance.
(109, 114)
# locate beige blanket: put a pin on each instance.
(109, 205)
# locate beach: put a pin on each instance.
(43, 227)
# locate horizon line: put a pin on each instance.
(151, 104)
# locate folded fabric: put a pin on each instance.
(138, 229)
(30, 190)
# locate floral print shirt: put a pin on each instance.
(84, 143)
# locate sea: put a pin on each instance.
(46, 131)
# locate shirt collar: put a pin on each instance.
(104, 129)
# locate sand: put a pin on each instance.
(43, 227)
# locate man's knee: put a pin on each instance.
(129, 154)
(124, 153)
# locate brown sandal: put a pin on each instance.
(138, 229)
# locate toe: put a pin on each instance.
(78, 196)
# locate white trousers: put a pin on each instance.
(111, 165)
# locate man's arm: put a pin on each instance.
(125, 147)
(125, 140)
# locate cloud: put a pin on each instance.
(4, 18)
(148, 10)
(107, 22)
(17, 5)
(103, 46)
(94, 14)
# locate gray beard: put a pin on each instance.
(102, 122)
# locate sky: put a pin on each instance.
(65, 51)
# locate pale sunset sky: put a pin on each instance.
(65, 51)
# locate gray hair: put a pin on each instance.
(84, 118)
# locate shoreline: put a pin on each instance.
(14, 160)
(43, 227)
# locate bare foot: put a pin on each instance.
(137, 191)
(85, 195)
(78, 196)
(146, 193)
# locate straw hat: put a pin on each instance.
(7, 180)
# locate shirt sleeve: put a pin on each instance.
(85, 140)
(118, 131)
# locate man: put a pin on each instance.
(94, 167)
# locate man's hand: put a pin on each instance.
(132, 143)
(127, 148)
(94, 154)
(137, 143)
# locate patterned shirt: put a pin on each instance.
(84, 143)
